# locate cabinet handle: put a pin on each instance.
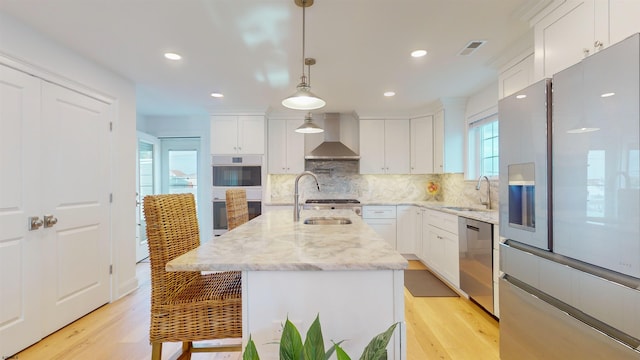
(598, 45)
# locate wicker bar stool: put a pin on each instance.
(237, 208)
(187, 306)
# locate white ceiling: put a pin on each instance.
(251, 50)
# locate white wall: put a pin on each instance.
(26, 49)
(192, 126)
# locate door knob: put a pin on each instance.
(50, 220)
(34, 223)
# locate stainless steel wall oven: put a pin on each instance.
(232, 172)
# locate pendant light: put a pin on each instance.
(303, 98)
(308, 127)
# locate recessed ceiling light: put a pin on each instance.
(607, 94)
(217, 95)
(389, 93)
(521, 96)
(172, 56)
(418, 53)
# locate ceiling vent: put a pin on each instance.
(471, 47)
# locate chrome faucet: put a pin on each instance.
(488, 202)
(296, 196)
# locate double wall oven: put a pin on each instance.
(232, 172)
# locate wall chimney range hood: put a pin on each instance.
(332, 148)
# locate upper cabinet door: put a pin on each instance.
(438, 142)
(286, 147)
(251, 134)
(372, 147)
(397, 147)
(237, 135)
(295, 147)
(224, 135)
(624, 19)
(277, 154)
(422, 145)
(564, 37)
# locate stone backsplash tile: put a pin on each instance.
(341, 180)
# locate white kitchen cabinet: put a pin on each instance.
(421, 155)
(285, 147)
(440, 244)
(516, 76)
(383, 220)
(579, 28)
(448, 136)
(409, 230)
(232, 134)
(384, 146)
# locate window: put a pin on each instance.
(483, 149)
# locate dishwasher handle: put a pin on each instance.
(474, 228)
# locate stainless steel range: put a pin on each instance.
(325, 204)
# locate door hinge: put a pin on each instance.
(110, 125)
(111, 197)
(110, 269)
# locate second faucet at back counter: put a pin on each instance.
(486, 203)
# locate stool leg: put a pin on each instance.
(156, 351)
(187, 349)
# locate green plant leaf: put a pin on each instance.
(332, 349)
(290, 342)
(314, 344)
(340, 353)
(250, 351)
(377, 348)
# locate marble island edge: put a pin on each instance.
(273, 242)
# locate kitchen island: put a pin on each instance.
(346, 274)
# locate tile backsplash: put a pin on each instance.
(340, 179)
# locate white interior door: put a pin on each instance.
(76, 164)
(147, 183)
(20, 249)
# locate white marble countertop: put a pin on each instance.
(273, 241)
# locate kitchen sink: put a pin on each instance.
(463, 208)
(327, 221)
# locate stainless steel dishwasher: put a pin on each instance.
(476, 260)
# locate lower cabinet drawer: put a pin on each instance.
(379, 212)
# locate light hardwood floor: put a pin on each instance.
(437, 328)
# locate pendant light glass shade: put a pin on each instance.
(303, 98)
(308, 127)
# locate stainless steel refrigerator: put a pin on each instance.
(569, 207)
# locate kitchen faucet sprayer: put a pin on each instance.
(296, 196)
(488, 202)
